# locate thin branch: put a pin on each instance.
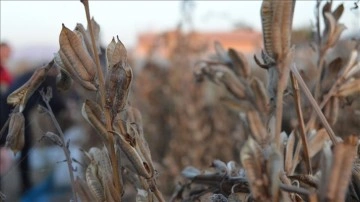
(314, 104)
(95, 52)
(317, 17)
(65, 149)
(294, 189)
(279, 108)
(297, 99)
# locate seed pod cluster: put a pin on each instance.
(15, 139)
(118, 77)
(104, 173)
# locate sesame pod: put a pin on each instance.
(123, 88)
(74, 74)
(96, 31)
(277, 21)
(73, 48)
(93, 181)
(115, 53)
(240, 64)
(286, 27)
(266, 21)
(111, 84)
(15, 139)
(128, 146)
(252, 160)
(21, 95)
(91, 111)
(86, 37)
(260, 93)
(257, 128)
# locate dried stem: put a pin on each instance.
(317, 16)
(314, 104)
(279, 107)
(297, 99)
(320, 61)
(110, 138)
(158, 195)
(294, 189)
(63, 146)
(96, 57)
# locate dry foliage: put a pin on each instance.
(238, 120)
(278, 166)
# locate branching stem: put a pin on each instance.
(314, 104)
(297, 99)
(63, 146)
(100, 74)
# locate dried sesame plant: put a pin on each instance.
(312, 163)
(181, 113)
(125, 153)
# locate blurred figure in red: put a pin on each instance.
(5, 81)
(5, 77)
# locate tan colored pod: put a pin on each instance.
(15, 139)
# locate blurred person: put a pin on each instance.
(5, 76)
(5, 82)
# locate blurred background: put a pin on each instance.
(184, 121)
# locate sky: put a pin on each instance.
(38, 23)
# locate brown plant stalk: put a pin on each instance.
(63, 146)
(297, 99)
(314, 104)
(110, 138)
